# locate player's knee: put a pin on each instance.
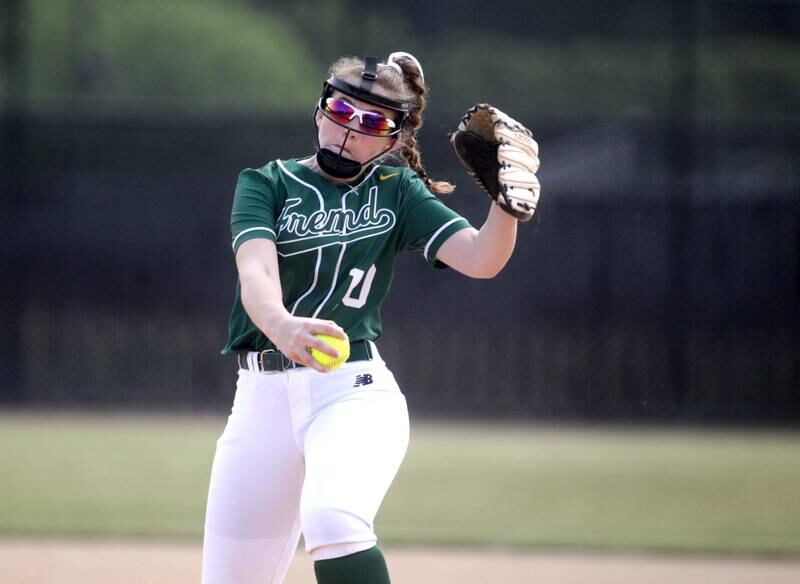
(340, 550)
(337, 530)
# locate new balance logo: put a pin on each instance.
(365, 379)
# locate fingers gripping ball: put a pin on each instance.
(341, 345)
(502, 156)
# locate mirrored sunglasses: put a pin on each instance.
(342, 111)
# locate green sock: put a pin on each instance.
(367, 567)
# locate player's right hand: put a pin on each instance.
(294, 335)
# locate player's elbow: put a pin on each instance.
(486, 271)
(484, 275)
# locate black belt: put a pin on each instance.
(274, 361)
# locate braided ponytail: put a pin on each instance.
(410, 149)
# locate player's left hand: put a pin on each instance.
(502, 156)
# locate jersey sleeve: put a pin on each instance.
(255, 208)
(425, 221)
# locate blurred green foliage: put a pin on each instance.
(197, 53)
(262, 56)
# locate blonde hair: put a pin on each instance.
(408, 86)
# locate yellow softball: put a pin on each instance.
(341, 345)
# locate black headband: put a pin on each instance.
(366, 95)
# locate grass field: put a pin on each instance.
(520, 486)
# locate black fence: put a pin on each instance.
(660, 279)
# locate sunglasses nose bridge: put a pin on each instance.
(357, 115)
(354, 123)
(351, 114)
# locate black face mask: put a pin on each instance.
(334, 163)
(337, 166)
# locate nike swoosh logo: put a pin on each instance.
(385, 176)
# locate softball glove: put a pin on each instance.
(502, 156)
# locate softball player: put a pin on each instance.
(305, 449)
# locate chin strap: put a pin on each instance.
(337, 166)
(333, 163)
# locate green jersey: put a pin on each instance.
(336, 242)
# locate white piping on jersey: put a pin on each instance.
(319, 251)
(435, 235)
(283, 254)
(333, 282)
(373, 190)
(344, 246)
(313, 284)
(305, 184)
(235, 239)
(366, 177)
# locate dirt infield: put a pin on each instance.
(121, 562)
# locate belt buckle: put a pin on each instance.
(261, 363)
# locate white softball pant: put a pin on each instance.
(301, 451)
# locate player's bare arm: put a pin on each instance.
(257, 263)
(481, 253)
